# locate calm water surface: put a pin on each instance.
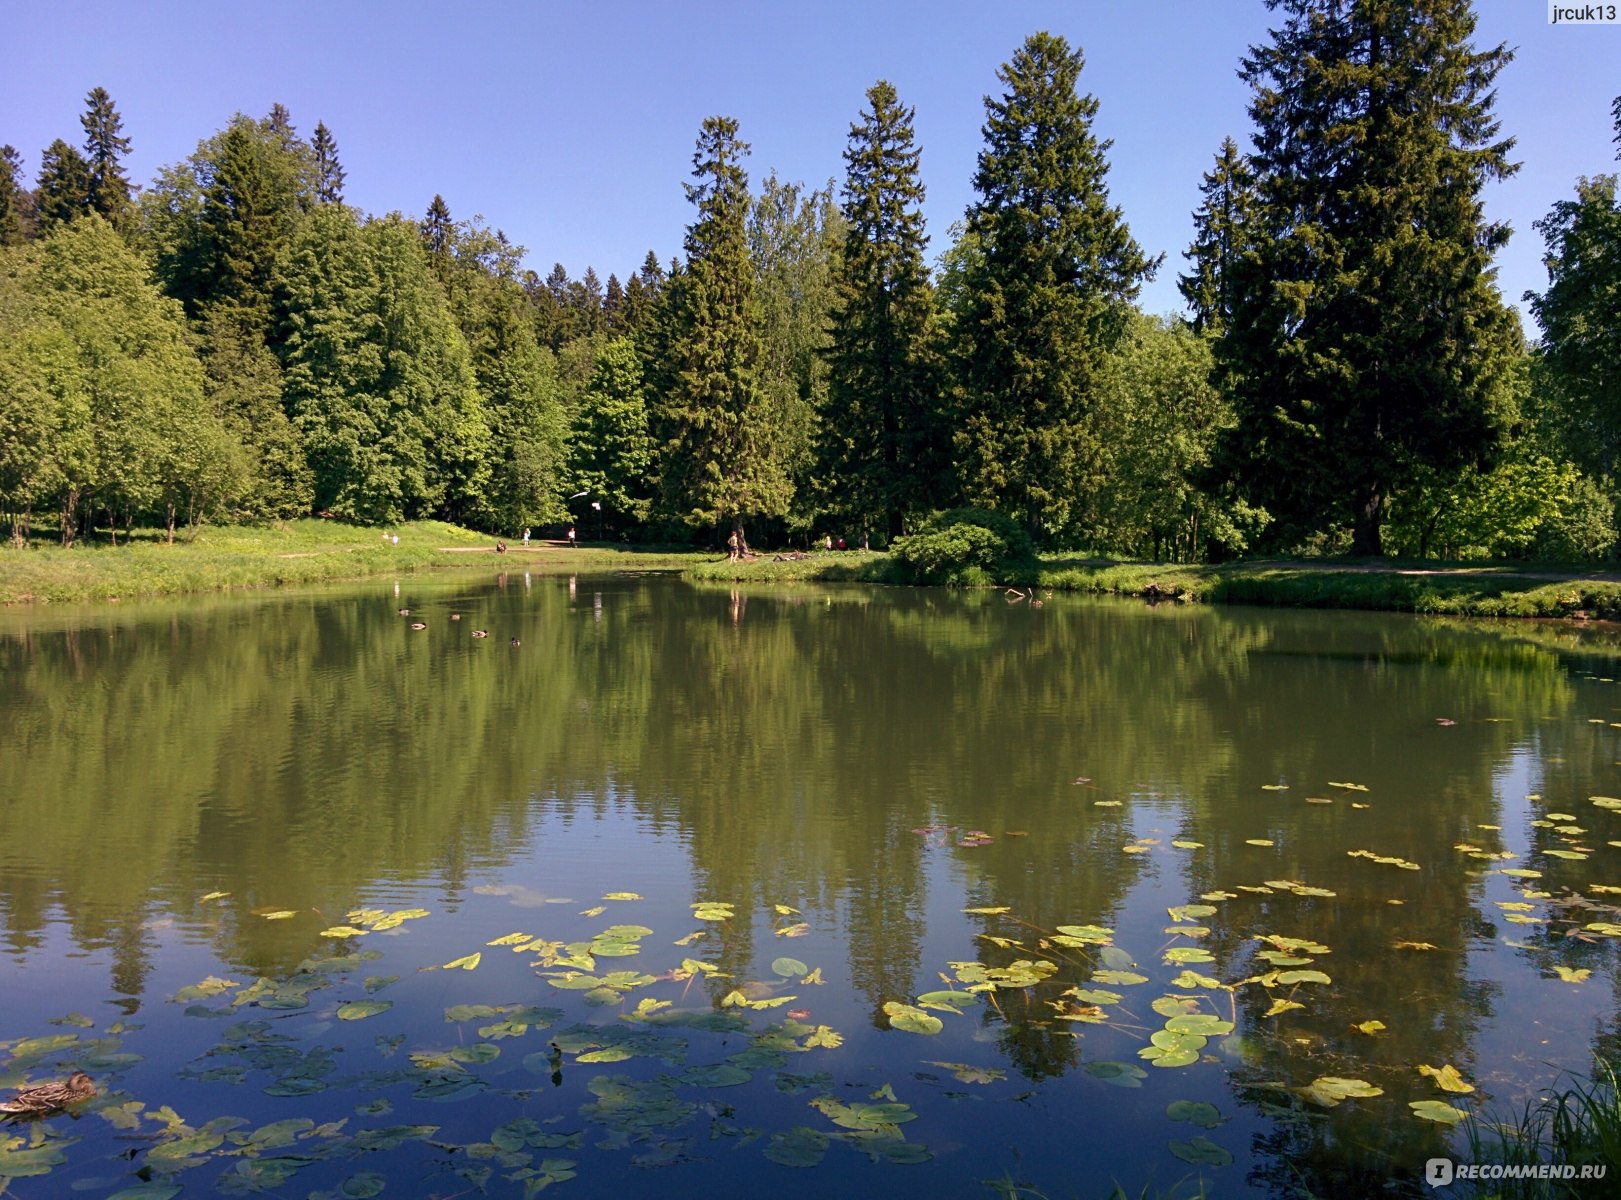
(715, 852)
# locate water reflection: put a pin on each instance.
(828, 750)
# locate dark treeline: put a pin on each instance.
(234, 342)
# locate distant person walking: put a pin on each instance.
(526, 535)
(731, 545)
(571, 537)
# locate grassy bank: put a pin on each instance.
(1391, 586)
(293, 552)
(311, 551)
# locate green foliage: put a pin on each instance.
(718, 459)
(885, 436)
(63, 192)
(1045, 299)
(1366, 338)
(613, 457)
(1525, 506)
(16, 205)
(329, 172)
(793, 243)
(243, 383)
(105, 146)
(1158, 416)
(377, 377)
(1223, 216)
(1581, 319)
(968, 547)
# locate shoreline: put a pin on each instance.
(237, 558)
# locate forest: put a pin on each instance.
(233, 343)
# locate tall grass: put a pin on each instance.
(1579, 1125)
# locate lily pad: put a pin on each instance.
(1195, 1112)
(789, 967)
(1438, 1111)
(1117, 1074)
(912, 1020)
(800, 1147)
(359, 1010)
(1201, 1151)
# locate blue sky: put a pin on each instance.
(571, 125)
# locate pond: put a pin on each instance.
(809, 891)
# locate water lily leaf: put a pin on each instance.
(1280, 1006)
(864, 1117)
(155, 1189)
(280, 914)
(1274, 787)
(787, 967)
(212, 986)
(1116, 958)
(712, 911)
(988, 912)
(363, 1185)
(1117, 1074)
(1369, 1027)
(1259, 842)
(1438, 1111)
(1573, 974)
(1289, 978)
(1118, 977)
(1203, 1024)
(478, 1052)
(596, 911)
(342, 931)
(800, 1147)
(466, 963)
(391, 1137)
(1167, 1006)
(716, 1075)
(1184, 844)
(969, 1073)
(912, 1020)
(1195, 1112)
(1348, 787)
(1170, 1039)
(1329, 1090)
(1521, 872)
(1188, 954)
(1190, 978)
(621, 896)
(948, 1001)
(824, 1037)
(1447, 1078)
(1201, 1151)
(1082, 935)
(359, 1010)
(799, 929)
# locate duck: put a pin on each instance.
(418, 625)
(405, 612)
(516, 642)
(48, 1097)
(455, 616)
(481, 633)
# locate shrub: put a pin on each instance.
(968, 547)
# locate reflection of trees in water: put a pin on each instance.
(307, 752)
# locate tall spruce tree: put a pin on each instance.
(104, 150)
(63, 193)
(1047, 298)
(16, 205)
(329, 172)
(1367, 339)
(885, 443)
(1221, 224)
(438, 236)
(718, 462)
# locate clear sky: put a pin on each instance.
(570, 125)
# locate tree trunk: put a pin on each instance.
(1367, 526)
(171, 523)
(737, 531)
(70, 502)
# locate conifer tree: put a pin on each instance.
(104, 149)
(329, 173)
(1220, 225)
(885, 439)
(15, 203)
(1048, 296)
(613, 301)
(718, 463)
(1367, 340)
(438, 233)
(63, 193)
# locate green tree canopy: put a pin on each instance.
(1046, 297)
(104, 149)
(1367, 338)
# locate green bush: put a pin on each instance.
(968, 547)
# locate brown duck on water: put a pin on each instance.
(49, 1097)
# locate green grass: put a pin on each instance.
(1579, 1125)
(293, 552)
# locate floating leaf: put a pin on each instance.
(1289, 978)
(342, 931)
(212, 986)
(1117, 1074)
(1259, 842)
(362, 1185)
(1195, 1112)
(799, 929)
(912, 1020)
(1281, 1006)
(1184, 844)
(1329, 1090)
(787, 967)
(1369, 1027)
(988, 912)
(466, 963)
(716, 1075)
(621, 896)
(1202, 1024)
(947, 1001)
(1201, 1151)
(359, 1010)
(281, 914)
(799, 1147)
(712, 911)
(1438, 1111)
(969, 1073)
(1573, 974)
(1118, 977)
(1447, 1078)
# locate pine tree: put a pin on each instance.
(885, 440)
(104, 148)
(438, 234)
(63, 193)
(1367, 339)
(718, 461)
(613, 302)
(1221, 224)
(16, 207)
(1047, 298)
(329, 173)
